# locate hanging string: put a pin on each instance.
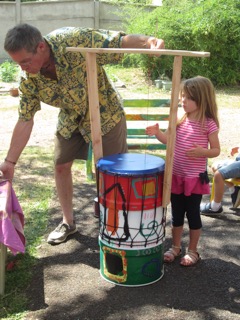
(148, 106)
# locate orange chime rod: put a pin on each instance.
(94, 101)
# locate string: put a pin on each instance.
(148, 105)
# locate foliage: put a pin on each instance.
(207, 25)
(8, 71)
(142, 2)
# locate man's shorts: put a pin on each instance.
(231, 170)
(67, 150)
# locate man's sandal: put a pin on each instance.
(171, 254)
(190, 259)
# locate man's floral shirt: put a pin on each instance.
(69, 92)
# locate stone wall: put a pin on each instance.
(50, 15)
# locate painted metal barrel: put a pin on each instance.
(132, 220)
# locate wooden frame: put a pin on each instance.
(94, 101)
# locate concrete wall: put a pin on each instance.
(49, 15)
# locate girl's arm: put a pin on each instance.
(215, 149)
(155, 131)
(212, 152)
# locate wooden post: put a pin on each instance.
(3, 253)
(176, 79)
(94, 105)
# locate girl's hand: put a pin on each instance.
(195, 152)
(234, 150)
(152, 130)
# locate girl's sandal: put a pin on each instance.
(171, 254)
(190, 259)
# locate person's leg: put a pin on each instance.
(177, 237)
(195, 228)
(115, 141)
(219, 187)
(238, 157)
(64, 185)
(226, 172)
(65, 152)
(178, 213)
(194, 236)
(194, 220)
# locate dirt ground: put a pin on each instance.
(67, 284)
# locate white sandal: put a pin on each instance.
(172, 254)
(190, 259)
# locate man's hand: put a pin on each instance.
(7, 170)
(155, 43)
(141, 42)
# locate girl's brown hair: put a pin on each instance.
(201, 90)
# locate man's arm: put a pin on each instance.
(20, 137)
(142, 42)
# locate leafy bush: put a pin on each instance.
(8, 71)
(207, 25)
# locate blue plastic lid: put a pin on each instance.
(131, 163)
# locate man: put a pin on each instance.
(226, 170)
(57, 77)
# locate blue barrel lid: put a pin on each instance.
(131, 163)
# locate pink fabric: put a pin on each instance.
(188, 134)
(11, 219)
(188, 186)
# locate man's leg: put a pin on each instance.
(64, 185)
(65, 152)
(115, 141)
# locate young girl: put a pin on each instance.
(197, 129)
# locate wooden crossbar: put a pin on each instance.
(157, 52)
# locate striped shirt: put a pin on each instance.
(189, 133)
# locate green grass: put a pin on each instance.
(34, 186)
(34, 190)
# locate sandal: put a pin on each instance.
(190, 259)
(171, 254)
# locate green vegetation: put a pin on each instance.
(33, 185)
(34, 191)
(9, 71)
(210, 25)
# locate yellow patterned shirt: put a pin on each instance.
(69, 92)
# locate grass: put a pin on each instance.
(34, 186)
(34, 190)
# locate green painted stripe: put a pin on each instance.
(146, 103)
(147, 117)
